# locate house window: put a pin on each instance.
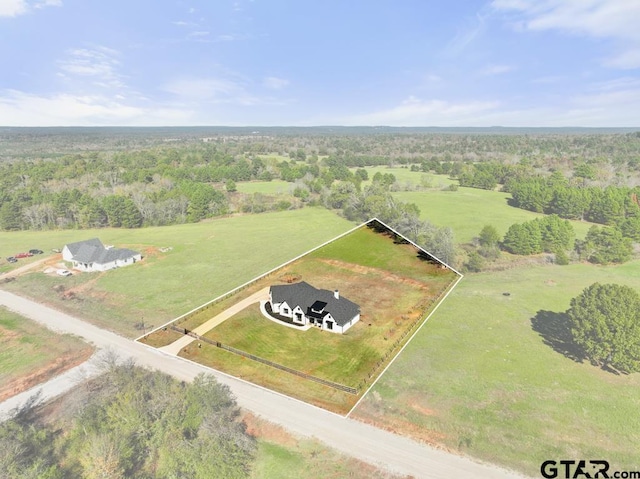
(299, 316)
(285, 310)
(329, 325)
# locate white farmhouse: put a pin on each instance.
(307, 305)
(91, 255)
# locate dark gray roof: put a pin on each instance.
(93, 251)
(74, 248)
(304, 295)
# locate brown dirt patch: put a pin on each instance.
(384, 274)
(415, 404)
(401, 426)
(58, 366)
(268, 431)
(8, 334)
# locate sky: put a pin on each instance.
(516, 63)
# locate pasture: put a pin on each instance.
(409, 179)
(266, 187)
(30, 354)
(207, 259)
(467, 210)
(479, 377)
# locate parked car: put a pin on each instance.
(63, 272)
(36, 251)
(11, 259)
(23, 255)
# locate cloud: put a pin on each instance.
(13, 8)
(416, 112)
(229, 89)
(492, 70)
(275, 83)
(466, 36)
(47, 3)
(18, 108)
(613, 103)
(206, 89)
(100, 64)
(610, 19)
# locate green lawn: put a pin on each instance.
(393, 288)
(30, 354)
(479, 379)
(467, 210)
(267, 187)
(207, 260)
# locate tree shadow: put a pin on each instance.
(555, 330)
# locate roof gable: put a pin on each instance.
(74, 248)
(303, 294)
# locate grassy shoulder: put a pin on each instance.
(479, 377)
(207, 259)
(31, 354)
(284, 456)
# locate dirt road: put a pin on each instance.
(365, 442)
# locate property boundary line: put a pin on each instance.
(239, 352)
(405, 345)
(233, 291)
(438, 302)
(244, 381)
(242, 286)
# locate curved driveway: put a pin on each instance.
(375, 446)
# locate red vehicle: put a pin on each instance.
(23, 255)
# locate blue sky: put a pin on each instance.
(296, 62)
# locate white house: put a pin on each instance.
(91, 255)
(304, 305)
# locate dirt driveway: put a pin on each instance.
(179, 344)
(26, 268)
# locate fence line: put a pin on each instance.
(338, 386)
(331, 384)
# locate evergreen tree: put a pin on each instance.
(606, 325)
(605, 245)
(557, 234)
(523, 239)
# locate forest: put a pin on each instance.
(130, 422)
(129, 178)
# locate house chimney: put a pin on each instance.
(336, 294)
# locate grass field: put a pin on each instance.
(467, 210)
(406, 177)
(30, 354)
(267, 187)
(207, 259)
(479, 379)
(393, 288)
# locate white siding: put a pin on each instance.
(66, 254)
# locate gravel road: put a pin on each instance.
(375, 446)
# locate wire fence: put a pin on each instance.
(217, 344)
